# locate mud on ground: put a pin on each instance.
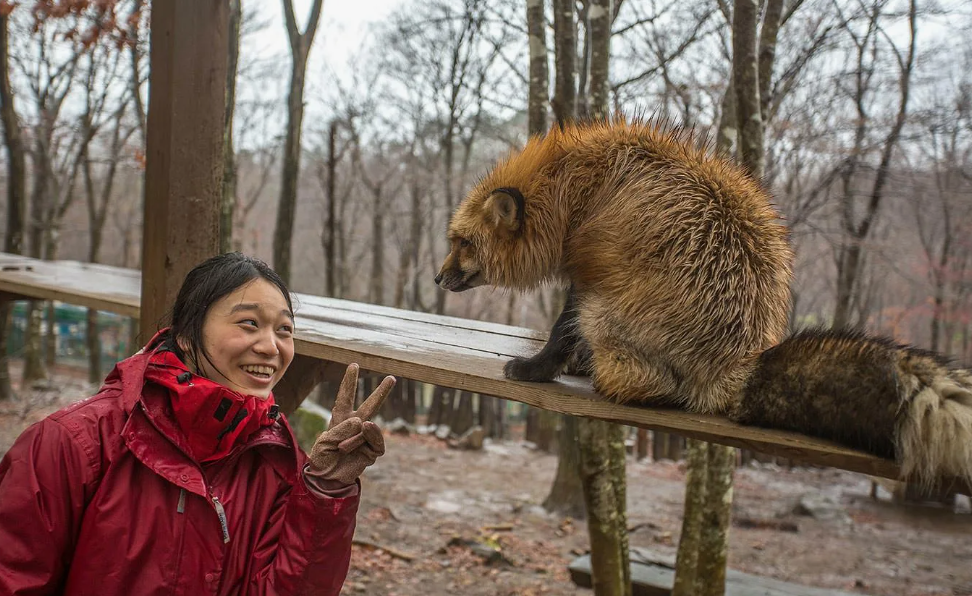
(424, 505)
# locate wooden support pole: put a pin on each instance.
(184, 147)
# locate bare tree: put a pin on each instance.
(565, 52)
(943, 217)
(16, 182)
(566, 494)
(687, 560)
(539, 86)
(49, 72)
(100, 109)
(228, 200)
(439, 47)
(300, 46)
(856, 223)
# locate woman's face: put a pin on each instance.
(249, 337)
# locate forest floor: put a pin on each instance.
(424, 503)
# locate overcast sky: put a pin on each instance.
(343, 25)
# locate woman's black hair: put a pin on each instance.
(209, 281)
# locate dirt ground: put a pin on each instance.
(422, 500)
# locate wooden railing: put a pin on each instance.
(446, 351)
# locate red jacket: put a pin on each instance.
(101, 498)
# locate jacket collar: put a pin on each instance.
(153, 436)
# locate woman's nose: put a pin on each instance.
(267, 344)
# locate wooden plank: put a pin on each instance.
(446, 351)
(100, 287)
(184, 147)
(482, 373)
(441, 335)
(655, 578)
(304, 302)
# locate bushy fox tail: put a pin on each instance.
(868, 393)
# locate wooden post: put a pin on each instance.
(184, 147)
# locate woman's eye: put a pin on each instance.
(248, 322)
(287, 329)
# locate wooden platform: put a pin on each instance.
(654, 576)
(446, 351)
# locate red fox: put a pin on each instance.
(678, 269)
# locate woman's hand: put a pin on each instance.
(352, 442)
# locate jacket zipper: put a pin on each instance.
(222, 518)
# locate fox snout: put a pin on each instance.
(461, 270)
(455, 280)
(449, 280)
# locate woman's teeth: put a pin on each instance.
(259, 371)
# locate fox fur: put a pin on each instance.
(678, 269)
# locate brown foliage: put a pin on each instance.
(88, 21)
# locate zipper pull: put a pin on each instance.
(181, 507)
(222, 518)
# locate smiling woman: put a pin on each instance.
(181, 476)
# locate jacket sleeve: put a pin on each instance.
(307, 549)
(45, 481)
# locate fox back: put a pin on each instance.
(679, 261)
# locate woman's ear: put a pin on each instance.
(186, 348)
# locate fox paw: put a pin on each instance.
(528, 369)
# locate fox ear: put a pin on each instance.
(505, 208)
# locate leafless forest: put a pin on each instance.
(868, 139)
(345, 152)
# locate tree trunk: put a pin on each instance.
(415, 246)
(228, 201)
(537, 32)
(136, 55)
(606, 519)
(659, 445)
(675, 443)
(409, 396)
(567, 493)
(462, 416)
(16, 189)
(300, 45)
(642, 444)
(767, 54)
(532, 431)
(329, 238)
(850, 257)
(565, 50)
(547, 431)
(686, 563)
(376, 293)
(714, 539)
(33, 362)
(286, 209)
(49, 343)
(490, 416)
(94, 347)
(599, 15)
(440, 411)
(745, 68)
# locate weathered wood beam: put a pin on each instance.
(184, 147)
(304, 374)
(447, 351)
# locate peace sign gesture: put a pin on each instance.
(352, 442)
